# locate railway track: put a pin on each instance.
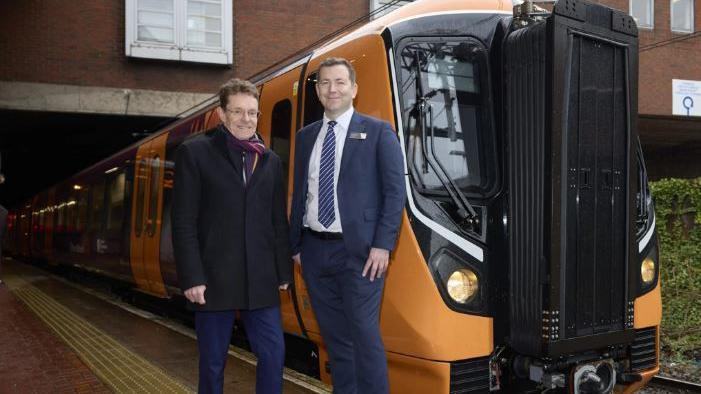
(673, 383)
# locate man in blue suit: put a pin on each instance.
(347, 206)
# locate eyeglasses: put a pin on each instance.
(238, 112)
(326, 84)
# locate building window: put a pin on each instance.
(184, 30)
(379, 8)
(682, 16)
(643, 13)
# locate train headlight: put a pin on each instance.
(462, 285)
(647, 270)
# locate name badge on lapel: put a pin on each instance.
(358, 136)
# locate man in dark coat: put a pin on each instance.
(229, 237)
(347, 206)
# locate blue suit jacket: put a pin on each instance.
(371, 191)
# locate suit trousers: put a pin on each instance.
(264, 330)
(347, 308)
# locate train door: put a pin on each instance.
(25, 230)
(278, 106)
(147, 216)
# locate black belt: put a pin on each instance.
(324, 234)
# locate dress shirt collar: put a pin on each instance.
(342, 120)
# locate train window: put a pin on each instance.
(70, 215)
(280, 134)
(82, 217)
(140, 193)
(97, 205)
(115, 206)
(39, 230)
(153, 198)
(313, 110)
(450, 79)
(60, 218)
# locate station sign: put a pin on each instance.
(686, 97)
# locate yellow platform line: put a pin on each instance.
(118, 367)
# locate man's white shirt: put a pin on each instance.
(311, 215)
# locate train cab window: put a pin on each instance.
(313, 110)
(153, 198)
(115, 202)
(97, 205)
(446, 85)
(280, 134)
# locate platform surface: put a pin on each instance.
(57, 336)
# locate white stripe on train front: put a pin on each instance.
(643, 242)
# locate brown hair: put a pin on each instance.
(337, 61)
(236, 86)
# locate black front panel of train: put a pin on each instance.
(569, 127)
(596, 144)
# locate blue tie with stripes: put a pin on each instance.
(326, 170)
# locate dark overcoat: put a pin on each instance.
(227, 235)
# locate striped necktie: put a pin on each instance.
(326, 170)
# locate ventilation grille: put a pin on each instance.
(643, 351)
(469, 376)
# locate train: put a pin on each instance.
(527, 257)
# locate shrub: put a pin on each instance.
(678, 210)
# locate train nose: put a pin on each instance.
(596, 378)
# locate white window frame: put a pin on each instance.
(375, 4)
(180, 51)
(671, 19)
(652, 14)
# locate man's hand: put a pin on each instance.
(297, 259)
(196, 294)
(284, 286)
(377, 263)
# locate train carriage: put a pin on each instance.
(527, 255)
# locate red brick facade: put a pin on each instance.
(82, 43)
(266, 31)
(658, 66)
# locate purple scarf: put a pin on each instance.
(252, 149)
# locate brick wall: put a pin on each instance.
(82, 43)
(285, 26)
(658, 66)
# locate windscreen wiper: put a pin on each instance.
(466, 213)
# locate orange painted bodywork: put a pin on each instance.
(648, 308)
(648, 313)
(146, 233)
(278, 90)
(416, 324)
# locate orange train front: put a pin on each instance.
(527, 258)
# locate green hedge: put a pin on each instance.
(678, 210)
